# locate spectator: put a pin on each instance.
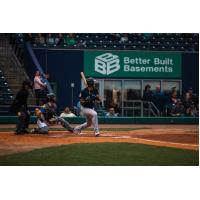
(147, 35)
(29, 38)
(178, 109)
(159, 100)
(192, 111)
(42, 127)
(50, 39)
(124, 38)
(40, 39)
(67, 113)
(111, 113)
(59, 39)
(115, 37)
(170, 100)
(45, 78)
(147, 96)
(45, 90)
(188, 99)
(69, 39)
(38, 87)
(174, 97)
(116, 107)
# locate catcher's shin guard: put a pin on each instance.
(65, 124)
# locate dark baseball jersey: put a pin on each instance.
(20, 101)
(49, 110)
(89, 97)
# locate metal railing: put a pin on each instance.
(9, 61)
(38, 66)
(140, 108)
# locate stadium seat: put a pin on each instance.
(144, 41)
(6, 96)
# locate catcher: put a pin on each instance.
(42, 126)
(49, 112)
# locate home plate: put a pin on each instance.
(114, 136)
(106, 135)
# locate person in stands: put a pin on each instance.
(67, 113)
(38, 87)
(111, 113)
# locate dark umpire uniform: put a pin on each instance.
(20, 108)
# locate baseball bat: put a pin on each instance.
(83, 79)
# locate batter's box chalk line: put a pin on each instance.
(114, 136)
(87, 135)
(57, 135)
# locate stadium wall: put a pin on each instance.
(64, 67)
(116, 120)
(190, 71)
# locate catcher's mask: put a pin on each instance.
(51, 97)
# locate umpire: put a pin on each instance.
(19, 107)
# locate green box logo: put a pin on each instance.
(132, 64)
(107, 63)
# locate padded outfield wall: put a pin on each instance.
(116, 120)
(64, 67)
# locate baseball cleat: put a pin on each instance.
(32, 130)
(77, 131)
(71, 130)
(97, 134)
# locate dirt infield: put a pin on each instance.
(178, 136)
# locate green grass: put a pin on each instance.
(89, 129)
(104, 154)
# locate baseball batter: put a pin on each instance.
(88, 97)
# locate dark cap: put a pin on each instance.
(51, 95)
(28, 83)
(147, 86)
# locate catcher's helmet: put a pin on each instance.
(90, 82)
(51, 97)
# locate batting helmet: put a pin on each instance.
(90, 82)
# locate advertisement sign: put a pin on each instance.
(132, 64)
